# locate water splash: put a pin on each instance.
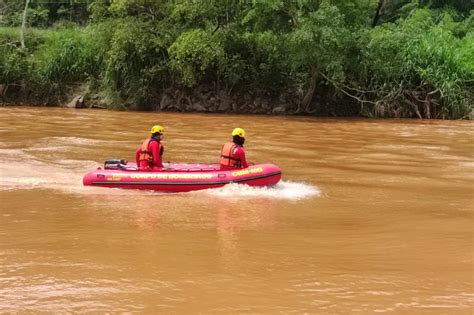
(45, 175)
(283, 190)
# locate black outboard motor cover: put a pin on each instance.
(114, 164)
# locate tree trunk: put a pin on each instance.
(306, 104)
(23, 24)
(377, 13)
(422, 3)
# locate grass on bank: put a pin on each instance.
(416, 67)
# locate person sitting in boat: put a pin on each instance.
(232, 152)
(149, 154)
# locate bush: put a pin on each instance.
(194, 53)
(136, 64)
(420, 65)
(13, 66)
(71, 55)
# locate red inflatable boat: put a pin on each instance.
(179, 177)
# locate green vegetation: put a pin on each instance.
(376, 58)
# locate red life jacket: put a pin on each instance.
(145, 154)
(227, 155)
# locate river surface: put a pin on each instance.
(371, 216)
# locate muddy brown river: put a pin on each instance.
(371, 216)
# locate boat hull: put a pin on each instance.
(180, 177)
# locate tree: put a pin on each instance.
(23, 24)
(193, 53)
(319, 46)
(378, 13)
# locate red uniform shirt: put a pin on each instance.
(239, 153)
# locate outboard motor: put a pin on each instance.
(115, 164)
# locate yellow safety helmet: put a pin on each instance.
(157, 128)
(238, 132)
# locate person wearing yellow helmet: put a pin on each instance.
(232, 152)
(149, 154)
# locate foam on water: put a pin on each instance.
(39, 174)
(283, 190)
(69, 141)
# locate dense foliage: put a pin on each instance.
(377, 58)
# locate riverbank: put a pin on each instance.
(207, 100)
(202, 99)
(321, 60)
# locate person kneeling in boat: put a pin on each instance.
(232, 152)
(149, 154)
